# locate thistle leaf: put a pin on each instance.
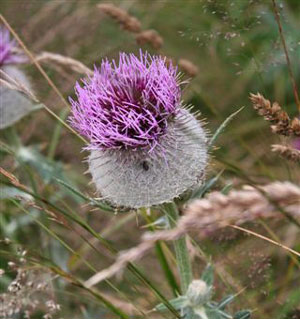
(225, 301)
(199, 192)
(208, 275)
(178, 303)
(222, 128)
(243, 314)
(92, 201)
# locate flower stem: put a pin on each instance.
(181, 251)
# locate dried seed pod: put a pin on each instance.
(295, 126)
(127, 21)
(287, 152)
(281, 122)
(188, 67)
(151, 37)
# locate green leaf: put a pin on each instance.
(222, 127)
(199, 192)
(208, 275)
(103, 206)
(178, 303)
(227, 188)
(80, 221)
(56, 133)
(160, 223)
(217, 314)
(46, 168)
(225, 301)
(12, 192)
(243, 314)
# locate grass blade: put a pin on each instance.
(222, 128)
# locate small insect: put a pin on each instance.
(145, 165)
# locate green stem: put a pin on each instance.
(162, 257)
(13, 137)
(56, 134)
(181, 251)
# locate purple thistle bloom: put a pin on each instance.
(7, 49)
(146, 149)
(296, 143)
(127, 105)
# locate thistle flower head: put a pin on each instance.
(14, 104)
(198, 293)
(127, 105)
(8, 46)
(146, 149)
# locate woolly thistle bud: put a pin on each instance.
(146, 149)
(198, 293)
(14, 105)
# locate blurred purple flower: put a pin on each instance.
(8, 54)
(127, 105)
(296, 143)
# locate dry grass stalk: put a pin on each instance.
(129, 308)
(295, 126)
(286, 52)
(281, 122)
(287, 152)
(13, 84)
(188, 67)
(73, 64)
(207, 215)
(127, 21)
(12, 178)
(151, 37)
(36, 63)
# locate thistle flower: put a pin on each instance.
(146, 149)
(198, 303)
(8, 54)
(198, 293)
(14, 105)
